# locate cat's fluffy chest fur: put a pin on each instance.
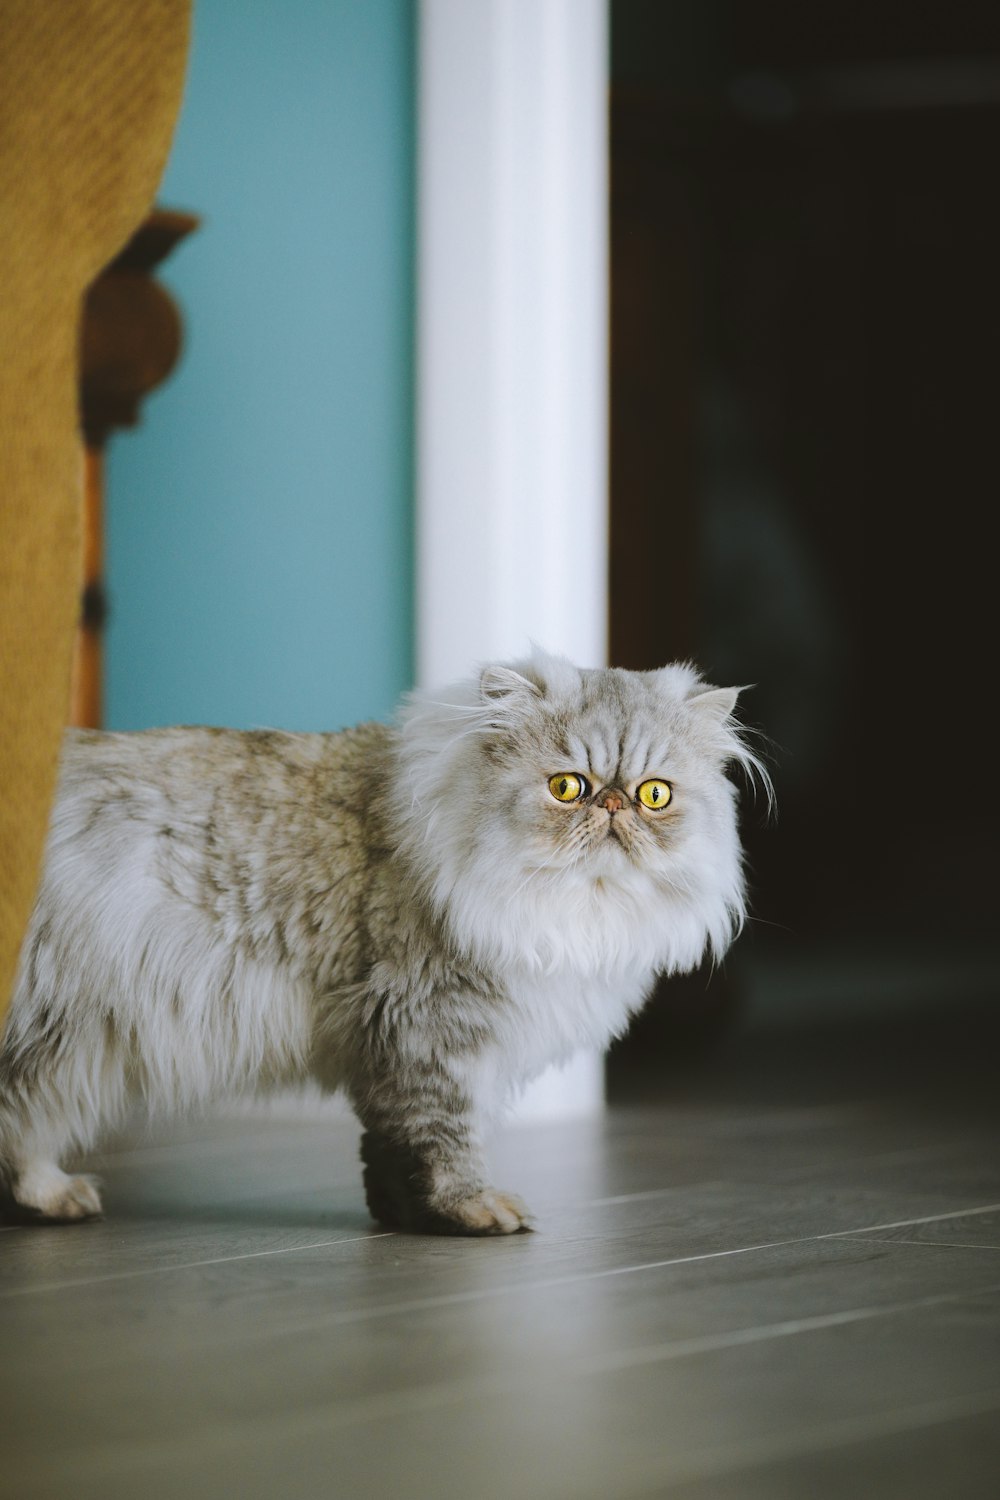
(407, 912)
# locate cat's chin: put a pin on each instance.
(612, 854)
(611, 867)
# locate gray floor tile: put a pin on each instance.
(727, 1297)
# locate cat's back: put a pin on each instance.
(224, 787)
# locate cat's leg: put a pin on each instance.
(423, 1162)
(33, 1137)
(55, 1094)
(36, 1131)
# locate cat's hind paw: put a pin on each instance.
(49, 1194)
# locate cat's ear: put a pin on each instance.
(712, 708)
(504, 687)
(713, 705)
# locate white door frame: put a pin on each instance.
(512, 348)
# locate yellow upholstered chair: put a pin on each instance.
(89, 95)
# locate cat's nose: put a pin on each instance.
(611, 799)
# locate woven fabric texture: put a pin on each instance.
(89, 95)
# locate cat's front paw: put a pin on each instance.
(488, 1212)
(403, 1192)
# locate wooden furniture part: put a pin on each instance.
(130, 342)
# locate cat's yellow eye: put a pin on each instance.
(655, 794)
(567, 786)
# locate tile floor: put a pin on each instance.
(777, 1277)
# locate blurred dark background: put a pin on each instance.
(805, 341)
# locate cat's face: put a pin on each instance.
(602, 771)
(542, 790)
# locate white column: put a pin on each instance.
(512, 356)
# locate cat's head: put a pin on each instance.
(585, 815)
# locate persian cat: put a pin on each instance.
(424, 915)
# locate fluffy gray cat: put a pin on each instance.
(424, 915)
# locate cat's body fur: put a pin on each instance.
(403, 912)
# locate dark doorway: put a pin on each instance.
(806, 338)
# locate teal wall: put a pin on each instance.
(260, 520)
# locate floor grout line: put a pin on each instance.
(932, 1244)
(959, 1213)
(913, 1153)
(459, 1297)
(764, 1332)
(191, 1265)
(445, 1299)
